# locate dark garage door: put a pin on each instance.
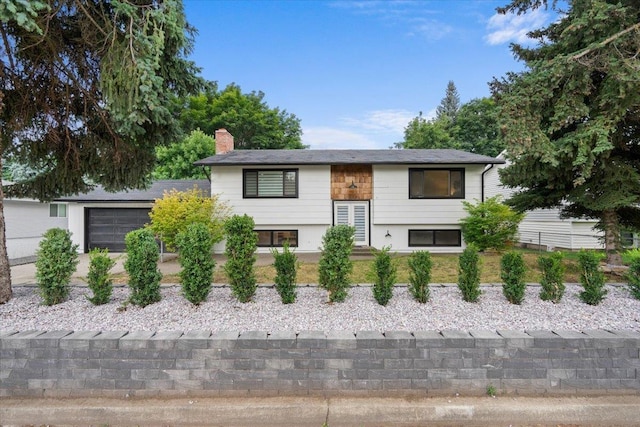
(106, 227)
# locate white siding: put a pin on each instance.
(544, 226)
(312, 207)
(584, 236)
(392, 205)
(26, 222)
(548, 215)
(309, 237)
(561, 234)
(398, 237)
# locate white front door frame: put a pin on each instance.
(355, 214)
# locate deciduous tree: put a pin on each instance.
(175, 161)
(571, 121)
(423, 133)
(84, 93)
(476, 128)
(253, 124)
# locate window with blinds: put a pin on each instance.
(269, 183)
(436, 183)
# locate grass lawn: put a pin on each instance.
(445, 270)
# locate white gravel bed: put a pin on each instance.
(222, 312)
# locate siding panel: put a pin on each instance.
(313, 205)
(393, 206)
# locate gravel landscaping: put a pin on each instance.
(221, 312)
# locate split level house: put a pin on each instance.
(406, 199)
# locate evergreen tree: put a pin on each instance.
(571, 121)
(450, 104)
(84, 90)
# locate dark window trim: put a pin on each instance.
(434, 237)
(272, 245)
(283, 170)
(462, 194)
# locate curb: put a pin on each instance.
(310, 411)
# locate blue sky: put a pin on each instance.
(356, 72)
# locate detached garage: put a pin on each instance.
(100, 219)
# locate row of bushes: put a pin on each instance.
(58, 258)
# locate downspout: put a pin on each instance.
(482, 179)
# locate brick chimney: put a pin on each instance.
(224, 141)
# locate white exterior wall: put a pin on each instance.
(26, 222)
(394, 212)
(310, 213)
(75, 212)
(544, 226)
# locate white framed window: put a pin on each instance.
(57, 210)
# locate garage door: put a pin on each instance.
(106, 227)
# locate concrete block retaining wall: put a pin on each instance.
(199, 363)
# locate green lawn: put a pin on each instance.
(445, 270)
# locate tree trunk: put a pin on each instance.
(5, 270)
(612, 242)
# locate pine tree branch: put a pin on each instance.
(606, 41)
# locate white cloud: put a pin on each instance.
(514, 28)
(388, 121)
(327, 138)
(413, 16)
(430, 29)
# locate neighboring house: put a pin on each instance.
(406, 199)
(26, 220)
(544, 227)
(100, 219)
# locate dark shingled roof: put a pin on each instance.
(155, 191)
(345, 157)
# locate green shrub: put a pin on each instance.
(142, 267)
(552, 281)
(633, 277)
(177, 209)
(286, 265)
(385, 276)
(99, 279)
(591, 277)
(195, 245)
(57, 258)
(490, 224)
(469, 274)
(420, 275)
(630, 255)
(335, 265)
(240, 250)
(512, 271)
